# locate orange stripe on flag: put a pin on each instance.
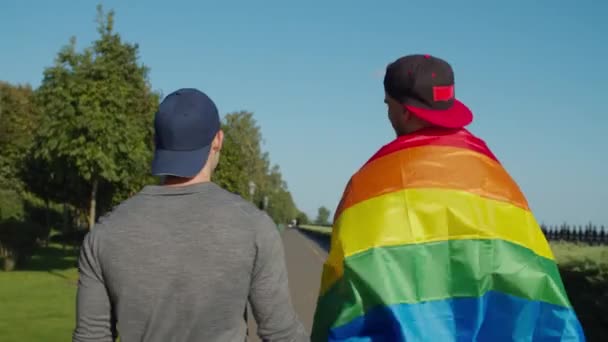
(433, 167)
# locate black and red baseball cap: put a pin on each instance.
(424, 84)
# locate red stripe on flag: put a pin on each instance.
(440, 137)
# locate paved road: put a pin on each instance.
(304, 256)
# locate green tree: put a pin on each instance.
(323, 216)
(281, 207)
(243, 161)
(18, 119)
(96, 135)
(302, 218)
(281, 204)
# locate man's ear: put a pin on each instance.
(218, 141)
(406, 115)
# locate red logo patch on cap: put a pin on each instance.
(443, 93)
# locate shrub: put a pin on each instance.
(11, 205)
(18, 239)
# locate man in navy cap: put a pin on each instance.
(180, 261)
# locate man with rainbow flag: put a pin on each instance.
(433, 240)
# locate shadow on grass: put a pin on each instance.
(51, 258)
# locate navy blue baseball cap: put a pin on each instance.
(185, 124)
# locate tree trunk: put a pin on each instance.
(64, 224)
(9, 263)
(93, 204)
(47, 219)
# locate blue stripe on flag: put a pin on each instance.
(492, 317)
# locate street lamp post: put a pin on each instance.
(251, 190)
(265, 203)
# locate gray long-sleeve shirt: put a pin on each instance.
(180, 264)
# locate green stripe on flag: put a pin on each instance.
(435, 271)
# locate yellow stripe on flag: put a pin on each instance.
(415, 216)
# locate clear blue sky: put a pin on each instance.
(534, 73)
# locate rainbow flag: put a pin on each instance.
(434, 241)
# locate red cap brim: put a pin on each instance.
(456, 117)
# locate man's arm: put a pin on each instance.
(269, 293)
(93, 309)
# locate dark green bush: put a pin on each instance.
(18, 240)
(11, 205)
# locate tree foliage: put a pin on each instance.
(323, 216)
(243, 161)
(83, 140)
(241, 154)
(97, 124)
(19, 118)
(302, 218)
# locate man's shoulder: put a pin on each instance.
(235, 200)
(111, 219)
(218, 199)
(236, 205)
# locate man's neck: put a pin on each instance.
(173, 181)
(429, 129)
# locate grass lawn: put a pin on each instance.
(318, 229)
(38, 304)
